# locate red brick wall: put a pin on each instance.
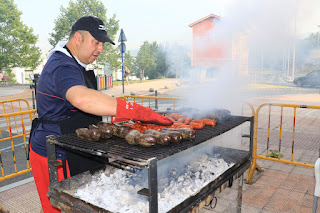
(207, 50)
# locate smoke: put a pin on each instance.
(251, 37)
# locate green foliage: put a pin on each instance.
(129, 60)
(314, 39)
(274, 154)
(17, 41)
(75, 10)
(12, 76)
(152, 61)
(144, 59)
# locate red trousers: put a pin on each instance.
(40, 170)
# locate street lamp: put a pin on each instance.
(318, 36)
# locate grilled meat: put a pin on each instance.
(84, 133)
(132, 136)
(94, 132)
(162, 138)
(146, 140)
(176, 137)
(187, 134)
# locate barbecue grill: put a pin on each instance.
(126, 156)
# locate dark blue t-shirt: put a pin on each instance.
(60, 73)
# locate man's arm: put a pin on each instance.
(91, 101)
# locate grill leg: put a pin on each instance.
(153, 186)
(52, 160)
(240, 179)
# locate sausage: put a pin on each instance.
(162, 138)
(210, 122)
(197, 124)
(94, 132)
(181, 119)
(146, 140)
(187, 134)
(213, 117)
(174, 115)
(131, 136)
(121, 131)
(106, 131)
(171, 119)
(187, 120)
(113, 126)
(83, 133)
(176, 137)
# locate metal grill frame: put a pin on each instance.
(151, 164)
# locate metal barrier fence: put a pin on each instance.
(104, 82)
(15, 124)
(290, 127)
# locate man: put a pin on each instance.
(67, 99)
(126, 74)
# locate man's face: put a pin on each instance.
(88, 48)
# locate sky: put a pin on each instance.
(166, 21)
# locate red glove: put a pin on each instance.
(131, 111)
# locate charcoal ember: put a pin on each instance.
(84, 133)
(146, 140)
(187, 134)
(176, 137)
(132, 136)
(162, 138)
(94, 132)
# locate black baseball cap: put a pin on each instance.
(94, 26)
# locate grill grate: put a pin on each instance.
(118, 147)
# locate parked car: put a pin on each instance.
(312, 79)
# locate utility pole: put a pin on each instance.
(122, 39)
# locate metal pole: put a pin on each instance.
(121, 33)
(315, 204)
(294, 48)
(240, 179)
(156, 100)
(33, 102)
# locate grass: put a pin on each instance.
(274, 154)
(266, 86)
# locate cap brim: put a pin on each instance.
(103, 38)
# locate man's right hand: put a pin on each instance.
(131, 111)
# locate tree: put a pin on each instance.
(111, 58)
(314, 39)
(160, 66)
(68, 16)
(178, 59)
(17, 41)
(128, 60)
(144, 59)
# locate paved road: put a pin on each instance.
(272, 86)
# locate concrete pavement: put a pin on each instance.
(279, 188)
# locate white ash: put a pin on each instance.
(116, 190)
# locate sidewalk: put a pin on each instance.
(279, 188)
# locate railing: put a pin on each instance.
(18, 127)
(104, 82)
(290, 127)
(15, 122)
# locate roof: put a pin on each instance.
(205, 18)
